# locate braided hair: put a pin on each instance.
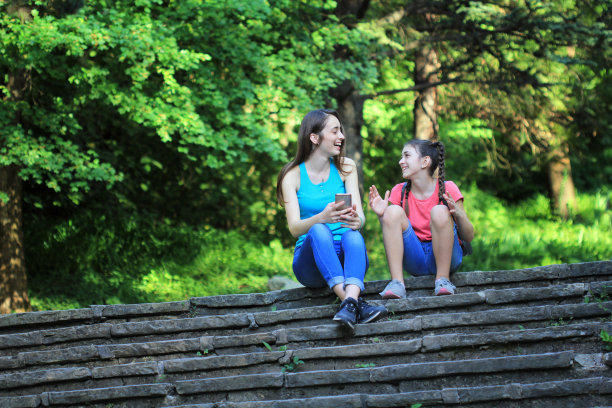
(437, 153)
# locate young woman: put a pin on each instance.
(330, 250)
(421, 228)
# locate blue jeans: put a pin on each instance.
(419, 258)
(321, 261)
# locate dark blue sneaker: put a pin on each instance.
(347, 315)
(369, 313)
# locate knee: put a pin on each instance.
(353, 239)
(440, 216)
(319, 232)
(393, 215)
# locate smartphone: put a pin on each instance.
(344, 198)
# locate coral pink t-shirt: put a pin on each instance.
(420, 210)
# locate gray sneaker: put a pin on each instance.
(444, 287)
(394, 290)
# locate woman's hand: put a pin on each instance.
(351, 218)
(332, 213)
(377, 203)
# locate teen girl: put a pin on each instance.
(421, 228)
(330, 250)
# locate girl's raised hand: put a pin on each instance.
(452, 205)
(377, 203)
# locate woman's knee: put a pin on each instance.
(353, 239)
(320, 232)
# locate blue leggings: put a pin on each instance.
(419, 258)
(319, 260)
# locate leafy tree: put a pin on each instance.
(156, 106)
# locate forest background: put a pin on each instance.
(141, 139)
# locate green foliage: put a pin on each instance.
(607, 340)
(121, 258)
(292, 365)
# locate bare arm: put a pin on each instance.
(297, 227)
(356, 218)
(464, 226)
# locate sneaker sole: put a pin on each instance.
(443, 292)
(345, 323)
(374, 317)
(390, 295)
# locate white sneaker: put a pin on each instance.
(444, 287)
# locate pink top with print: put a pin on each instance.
(420, 210)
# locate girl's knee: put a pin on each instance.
(320, 231)
(440, 216)
(393, 215)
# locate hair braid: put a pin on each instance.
(408, 186)
(441, 171)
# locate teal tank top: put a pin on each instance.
(313, 198)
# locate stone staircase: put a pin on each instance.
(518, 338)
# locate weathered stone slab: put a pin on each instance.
(125, 370)
(47, 317)
(242, 340)
(109, 394)
(563, 388)
(26, 401)
(316, 312)
(71, 354)
(96, 331)
(243, 382)
(486, 365)
(600, 289)
(489, 393)
(240, 300)
(313, 378)
(216, 362)
(404, 399)
(480, 278)
(593, 361)
(314, 333)
(52, 336)
(360, 350)
(16, 380)
(436, 302)
(154, 348)
(134, 329)
(516, 315)
(389, 327)
(579, 270)
(11, 362)
(445, 341)
(21, 340)
(500, 296)
(145, 309)
(341, 401)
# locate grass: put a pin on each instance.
(125, 260)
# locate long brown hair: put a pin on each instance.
(313, 122)
(437, 153)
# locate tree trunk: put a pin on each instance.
(562, 190)
(350, 107)
(426, 103)
(349, 101)
(13, 280)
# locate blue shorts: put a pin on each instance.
(419, 258)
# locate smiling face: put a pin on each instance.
(331, 138)
(411, 161)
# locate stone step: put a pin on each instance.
(376, 353)
(593, 391)
(466, 282)
(491, 378)
(321, 335)
(84, 334)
